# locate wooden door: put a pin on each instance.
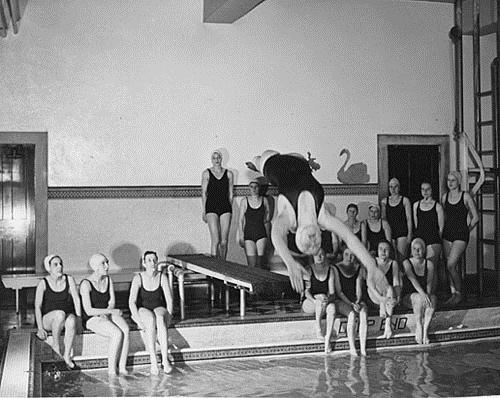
(17, 200)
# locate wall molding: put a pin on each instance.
(185, 191)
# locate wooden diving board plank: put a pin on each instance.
(251, 279)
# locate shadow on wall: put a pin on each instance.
(180, 248)
(126, 255)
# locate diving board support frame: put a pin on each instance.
(179, 270)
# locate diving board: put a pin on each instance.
(242, 277)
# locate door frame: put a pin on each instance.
(383, 142)
(39, 139)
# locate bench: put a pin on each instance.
(244, 278)
(21, 281)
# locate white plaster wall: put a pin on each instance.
(124, 228)
(139, 92)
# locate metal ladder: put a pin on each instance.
(488, 196)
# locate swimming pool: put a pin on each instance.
(466, 369)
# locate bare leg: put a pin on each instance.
(214, 228)
(416, 303)
(454, 251)
(54, 321)
(69, 337)
(261, 252)
(401, 245)
(149, 322)
(350, 333)
(363, 327)
(225, 223)
(433, 254)
(161, 326)
(429, 312)
(330, 318)
(319, 310)
(104, 327)
(122, 362)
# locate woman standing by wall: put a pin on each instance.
(396, 209)
(429, 224)
(457, 206)
(377, 229)
(254, 225)
(217, 199)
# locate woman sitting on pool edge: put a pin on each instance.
(349, 280)
(320, 296)
(57, 306)
(151, 306)
(98, 299)
(417, 289)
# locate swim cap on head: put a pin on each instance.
(308, 239)
(457, 175)
(418, 241)
(47, 260)
(94, 260)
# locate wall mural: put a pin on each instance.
(355, 174)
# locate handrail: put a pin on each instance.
(477, 158)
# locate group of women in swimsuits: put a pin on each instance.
(442, 226)
(253, 227)
(59, 304)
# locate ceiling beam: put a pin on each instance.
(227, 11)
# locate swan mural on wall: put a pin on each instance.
(355, 174)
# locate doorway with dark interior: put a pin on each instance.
(412, 165)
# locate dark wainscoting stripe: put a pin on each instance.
(185, 191)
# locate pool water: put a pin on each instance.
(468, 369)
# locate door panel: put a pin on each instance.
(17, 222)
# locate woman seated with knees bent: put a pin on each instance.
(417, 289)
(457, 205)
(98, 299)
(57, 306)
(396, 209)
(390, 269)
(349, 279)
(319, 296)
(151, 305)
(253, 226)
(429, 224)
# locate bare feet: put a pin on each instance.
(154, 369)
(69, 363)
(123, 372)
(387, 333)
(167, 367)
(112, 371)
(363, 353)
(425, 340)
(353, 352)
